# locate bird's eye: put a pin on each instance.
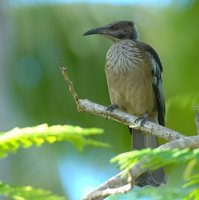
(116, 27)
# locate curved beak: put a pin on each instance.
(99, 30)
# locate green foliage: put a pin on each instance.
(12, 140)
(193, 181)
(26, 193)
(150, 193)
(26, 137)
(157, 158)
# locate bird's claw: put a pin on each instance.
(112, 107)
(140, 121)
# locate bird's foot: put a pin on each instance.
(139, 122)
(112, 107)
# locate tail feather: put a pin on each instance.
(155, 177)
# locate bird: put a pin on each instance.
(134, 77)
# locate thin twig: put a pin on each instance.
(70, 85)
(197, 118)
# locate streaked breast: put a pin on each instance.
(124, 56)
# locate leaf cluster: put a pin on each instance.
(16, 138)
(26, 192)
(12, 140)
(160, 157)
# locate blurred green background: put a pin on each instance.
(33, 37)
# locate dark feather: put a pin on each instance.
(157, 81)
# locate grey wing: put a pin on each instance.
(157, 81)
(158, 89)
(157, 84)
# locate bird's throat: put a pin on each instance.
(123, 56)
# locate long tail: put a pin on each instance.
(156, 177)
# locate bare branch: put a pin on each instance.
(119, 184)
(130, 120)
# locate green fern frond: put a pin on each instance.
(193, 182)
(26, 193)
(156, 157)
(12, 140)
(193, 195)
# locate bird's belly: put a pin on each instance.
(131, 91)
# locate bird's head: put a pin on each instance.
(116, 31)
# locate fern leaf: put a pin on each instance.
(26, 193)
(12, 140)
(156, 157)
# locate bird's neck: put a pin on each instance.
(123, 56)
